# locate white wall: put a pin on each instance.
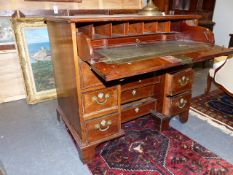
(223, 17)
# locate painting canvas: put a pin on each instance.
(7, 38)
(40, 57)
(6, 32)
(35, 54)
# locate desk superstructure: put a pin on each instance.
(110, 69)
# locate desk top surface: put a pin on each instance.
(119, 17)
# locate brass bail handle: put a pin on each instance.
(101, 98)
(182, 102)
(103, 125)
(183, 81)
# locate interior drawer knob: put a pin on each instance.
(137, 42)
(103, 125)
(182, 102)
(183, 81)
(136, 110)
(134, 92)
(101, 98)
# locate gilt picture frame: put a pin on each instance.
(35, 58)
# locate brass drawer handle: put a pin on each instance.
(182, 102)
(183, 81)
(103, 125)
(134, 92)
(101, 98)
(136, 110)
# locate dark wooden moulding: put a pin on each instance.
(98, 89)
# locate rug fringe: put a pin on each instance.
(211, 121)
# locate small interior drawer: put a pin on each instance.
(177, 104)
(102, 127)
(100, 102)
(136, 109)
(139, 82)
(137, 93)
(178, 82)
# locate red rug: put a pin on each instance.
(217, 108)
(144, 151)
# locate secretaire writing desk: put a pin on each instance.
(110, 69)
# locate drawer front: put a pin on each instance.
(137, 109)
(177, 104)
(100, 102)
(102, 127)
(88, 78)
(137, 93)
(139, 82)
(178, 82)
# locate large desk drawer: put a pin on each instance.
(138, 93)
(102, 127)
(100, 102)
(178, 82)
(177, 104)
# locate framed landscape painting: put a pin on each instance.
(35, 57)
(7, 39)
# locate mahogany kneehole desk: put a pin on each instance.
(110, 69)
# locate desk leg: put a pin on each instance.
(183, 117)
(87, 153)
(59, 118)
(161, 121)
(209, 81)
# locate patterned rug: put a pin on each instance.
(144, 151)
(216, 108)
